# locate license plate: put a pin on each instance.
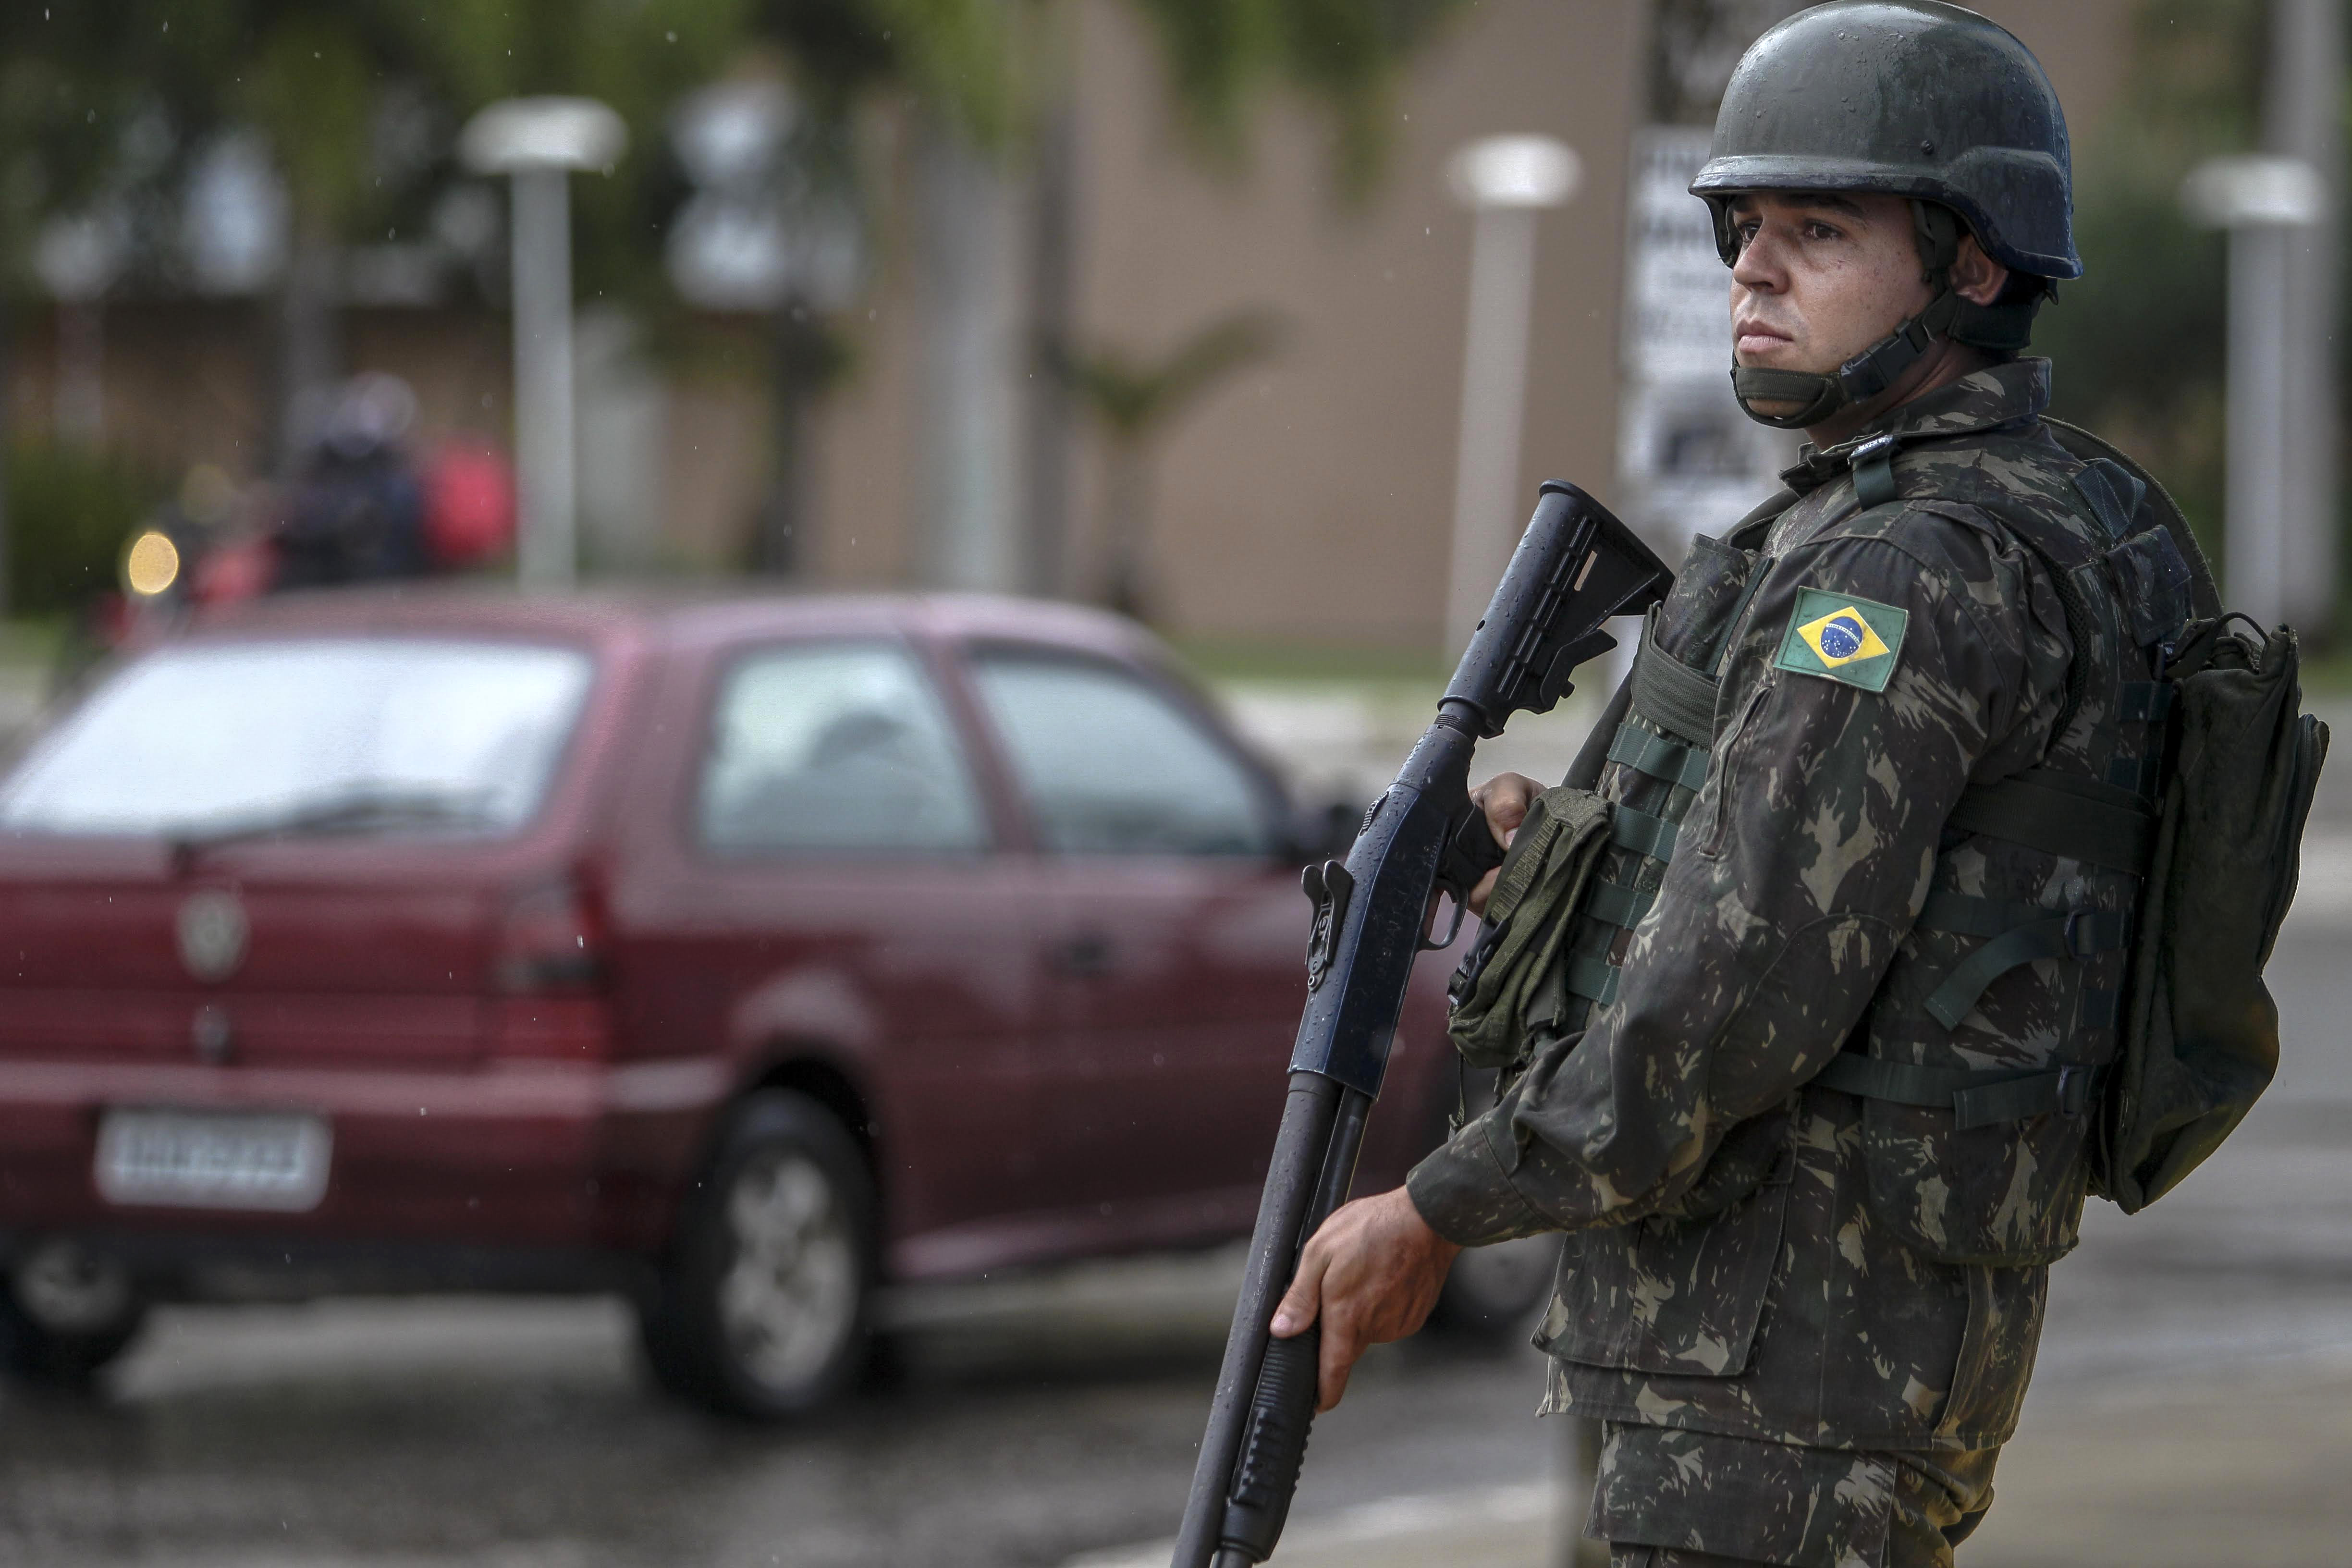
(213, 1160)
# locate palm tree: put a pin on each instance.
(1137, 402)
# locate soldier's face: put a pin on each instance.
(1820, 277)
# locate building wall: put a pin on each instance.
(1314, 496)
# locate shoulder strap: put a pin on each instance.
(2081, 443)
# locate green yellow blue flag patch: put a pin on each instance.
(1842, 638)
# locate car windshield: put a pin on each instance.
(327, 735)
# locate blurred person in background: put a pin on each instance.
(357, 512)
(1815, 1106)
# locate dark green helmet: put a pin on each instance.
(1909, 97)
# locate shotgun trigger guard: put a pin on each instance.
(1469, 854)
(1440, 944)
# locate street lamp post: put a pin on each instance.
(1505, 181)
(538, 142)
(2261, 201)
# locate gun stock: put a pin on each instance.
(1575, 567)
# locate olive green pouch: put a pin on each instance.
(1510, 985)
(2201, 1032)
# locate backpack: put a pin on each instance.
(2200, 1040)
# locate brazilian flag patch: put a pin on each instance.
(1842, 638)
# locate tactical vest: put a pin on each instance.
(1966, 1163)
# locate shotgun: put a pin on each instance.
(1576, 566)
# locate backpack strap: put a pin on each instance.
(2205, 592)
(2062, 813)
(1976, 1097)
(2019, 935)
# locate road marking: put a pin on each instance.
(1441, 1515)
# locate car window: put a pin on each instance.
(1110, 765)
(385, 734)
(835, 748)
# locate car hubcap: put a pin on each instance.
(66, 1291)
(790, 1299)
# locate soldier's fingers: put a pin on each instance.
(1476, 902)
(1304, 1299)
(1505, 799)
(1341, 1348)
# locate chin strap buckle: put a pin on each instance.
(1874, 470)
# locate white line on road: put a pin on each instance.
(1344, 1536)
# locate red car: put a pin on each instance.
(740, 954)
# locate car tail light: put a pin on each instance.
(551, 942)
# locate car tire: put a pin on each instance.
(64, 1314)
(762, 1308)
(1497, 1292)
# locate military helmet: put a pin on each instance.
(1907, 97)
(1912, 98)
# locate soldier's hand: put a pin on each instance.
(1505, 798)
(1370, 1273)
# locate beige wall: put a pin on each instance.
(1315, 496)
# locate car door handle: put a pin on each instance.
(1082, 957)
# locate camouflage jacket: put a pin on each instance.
(1751, 1253)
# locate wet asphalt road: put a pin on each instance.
(1038, 1421)
(1031, 1424)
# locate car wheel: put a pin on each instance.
(65, 1314)
(1498, 1292)
(763, 1307)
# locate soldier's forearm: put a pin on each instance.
(1464, 1194)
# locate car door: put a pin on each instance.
(840, 896)
(1172, 973)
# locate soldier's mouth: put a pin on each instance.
(1754, 340)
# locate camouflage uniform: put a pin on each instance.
(1809, 1317)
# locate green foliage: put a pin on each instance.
(1344, 55)
(70, 513)
(82, 80)
(2140, 343)
(324, 81)
(988, 66)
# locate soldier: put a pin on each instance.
(1813, 1115)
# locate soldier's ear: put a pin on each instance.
(1976, 277)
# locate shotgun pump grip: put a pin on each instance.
(1274, 1447)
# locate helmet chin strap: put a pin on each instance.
(1859, 380)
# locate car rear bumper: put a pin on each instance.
(211, 1266)
(529, 1154)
